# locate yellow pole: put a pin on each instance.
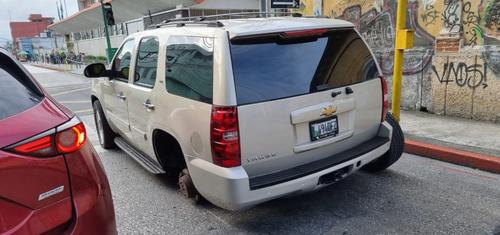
(398, 59)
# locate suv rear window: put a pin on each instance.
(18, 93)
(270, 67)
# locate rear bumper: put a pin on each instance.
(232, 189)
(93, 211)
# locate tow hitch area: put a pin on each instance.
(335, 176)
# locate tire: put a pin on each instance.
(395, 150)
(104, 132)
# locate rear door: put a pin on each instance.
(34, 191)
(116, 89)
(303, 96)
(141, 103)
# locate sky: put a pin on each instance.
(19, 10)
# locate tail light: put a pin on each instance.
(67, 138)
(385, 98)
(304, 33)
(224, 136)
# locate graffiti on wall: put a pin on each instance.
(430, 15)
(379, 31)
(463, 83)
(462, 74)
(492, 15)
(478, 21)
(376, 24)
(452, 16)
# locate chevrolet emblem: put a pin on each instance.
(328, 111)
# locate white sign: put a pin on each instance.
(285, 3)
(318, 7)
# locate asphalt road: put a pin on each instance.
(415, 196)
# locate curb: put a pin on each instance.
(464, 158)
(51, 68)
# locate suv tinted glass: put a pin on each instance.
(190, 67)
(121, 64)
(16, 96)
(147, 61)
(273, 67)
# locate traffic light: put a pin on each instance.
(108, 13)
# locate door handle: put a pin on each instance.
(148, 105)
(121, 96)
(336, 93)
(348, 91)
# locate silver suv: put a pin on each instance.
(247, 110)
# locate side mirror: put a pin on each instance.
(124, 72)
(95, 71)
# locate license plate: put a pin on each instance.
(324, 128)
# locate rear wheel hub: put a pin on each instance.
(186, 185)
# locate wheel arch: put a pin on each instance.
(93, 98)
(168, 150)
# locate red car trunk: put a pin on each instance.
(34, 191)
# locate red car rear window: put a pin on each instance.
(16, 93)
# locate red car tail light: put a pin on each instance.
(385, 98)
(224, 135)
(71, 139)
(67, 138)
(41, 146)
(304, 33)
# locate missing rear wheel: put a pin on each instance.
(186, 185)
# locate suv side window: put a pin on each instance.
(121, 64)
(190, 67)
(147, 62)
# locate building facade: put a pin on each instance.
(35, 25)
(33, 37)
(89, 38)
(82, 4)
(40, 45)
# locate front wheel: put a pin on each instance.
(104, 132)
(395, 151)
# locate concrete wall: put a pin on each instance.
(454, 68)
(97, 46)
(465, 85)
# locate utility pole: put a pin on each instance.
(65, 8)
(404, 40)
(106, 32)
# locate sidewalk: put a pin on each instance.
(466, 142)
(70, 68)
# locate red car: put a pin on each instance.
(51, 179)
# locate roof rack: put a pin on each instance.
(202, 20)
(177, 23)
